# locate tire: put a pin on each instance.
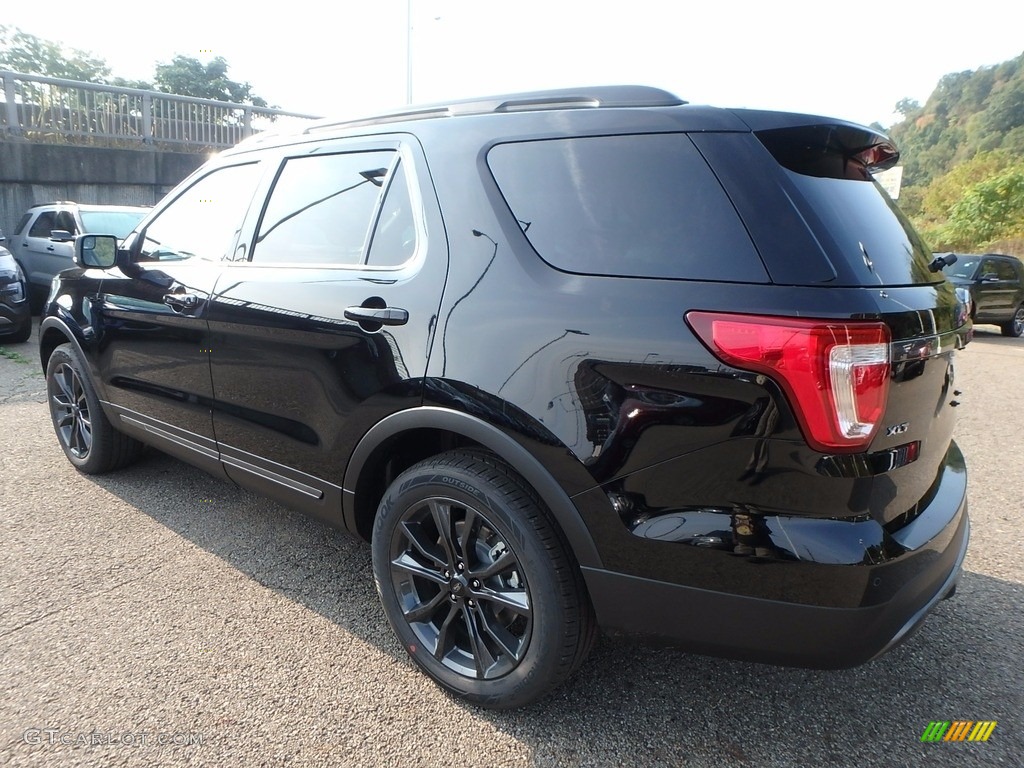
(85, 434)
(1015, 326)
(494, 610)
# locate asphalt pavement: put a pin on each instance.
(160, 617)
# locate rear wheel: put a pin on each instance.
(88, 438)
(477, 583)
(1015, 326)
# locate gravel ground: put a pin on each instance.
(160, 617)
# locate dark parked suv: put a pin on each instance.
(995, 284)
(566, 360)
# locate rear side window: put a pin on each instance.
(633, 206)
(322, 208)
(20, 229)
(43, 225)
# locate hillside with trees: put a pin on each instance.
(963, 158)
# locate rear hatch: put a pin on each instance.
(834, 228)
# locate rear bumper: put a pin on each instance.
(899, 593)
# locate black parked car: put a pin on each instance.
(566, 359)
(15, 318)
(995, 284)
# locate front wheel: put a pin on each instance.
(477, 583)
(88, 438)
(1016, 326)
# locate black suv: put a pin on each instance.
(566, 360)
(995, 286)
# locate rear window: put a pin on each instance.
(633, 206)
(826, 165)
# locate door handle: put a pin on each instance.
(382, 315)
(181, 302)
(49, 248)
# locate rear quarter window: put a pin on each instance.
(631, 206)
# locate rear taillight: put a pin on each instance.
(835, 374)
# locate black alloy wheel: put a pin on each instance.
(461, 588)
(1016, 326)
(88, 439)
(70, 409)
(476, 581)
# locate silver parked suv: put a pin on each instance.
(44, 240)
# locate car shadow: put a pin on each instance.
(679, 707)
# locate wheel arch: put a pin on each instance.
(417, 433)
(52, 333)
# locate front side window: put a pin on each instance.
(204, 220)
(322, 207)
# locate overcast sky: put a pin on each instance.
(348, 57)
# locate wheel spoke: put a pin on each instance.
(428, 548)
(425, 610)
(442, 634)
(85, 434)
(505, 561)
(66, 383)
(467, 539)
(505, 640)
(442, 514)
(481, 653)
(407, 563)
(514, 599)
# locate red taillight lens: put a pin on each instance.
(835, 374)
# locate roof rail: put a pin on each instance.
(563, 98)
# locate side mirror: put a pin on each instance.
(61, 236)
(941, 261)
(96, 251)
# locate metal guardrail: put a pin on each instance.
(48, 108)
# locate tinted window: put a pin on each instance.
(118, 223)
(643, 206)
(20, 229)
(394, 237)
(65, 220)
(1005, 270)
(829, 166)
(321, 208)
(44, 224)
(862, 221)
(204, 219)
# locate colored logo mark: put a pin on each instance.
(958, 730)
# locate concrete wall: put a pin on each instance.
(41, 173)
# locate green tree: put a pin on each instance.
(187, 76)
(31, 55)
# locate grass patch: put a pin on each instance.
(17, 357)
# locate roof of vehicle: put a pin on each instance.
(89, 206)
(579, 100)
